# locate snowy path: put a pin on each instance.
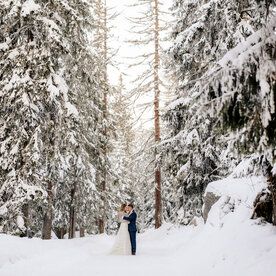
(190, 251)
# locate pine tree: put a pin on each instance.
(83, 142)
(193, 153)
(240, 92)
(120, 152)
(30, 107)
(51, 118)
(102, 37)
(144, 185)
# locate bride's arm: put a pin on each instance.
(121, 215)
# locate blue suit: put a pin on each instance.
(132, 229)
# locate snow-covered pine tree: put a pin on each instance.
(143, 186)
(82, 143)
(120, 150)
(192, 153)
(31, 45)
(240, 93)
(51, 117)
(102, 38)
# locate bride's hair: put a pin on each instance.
(123, 206)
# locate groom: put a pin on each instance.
(132, 227)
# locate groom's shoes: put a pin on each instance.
(133, 253)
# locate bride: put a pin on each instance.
(122, 245)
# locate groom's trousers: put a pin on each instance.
(133, 240)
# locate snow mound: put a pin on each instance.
(244, 189)
(236, 197)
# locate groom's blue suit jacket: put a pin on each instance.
(132, 219)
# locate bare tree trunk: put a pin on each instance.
(102, 218)
(82, 232)
(72, 223)
(101, 43)
(72, 215)
(62, 232)
(158, 202)
(25, 211)
(47, 221)
(272, 188)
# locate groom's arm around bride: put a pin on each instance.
(132, 219)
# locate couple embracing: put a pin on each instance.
(125, 243)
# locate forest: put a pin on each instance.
(193, 106)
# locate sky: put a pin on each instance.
(122, 32)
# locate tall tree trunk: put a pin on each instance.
(72, 214)
(82, 232)
(272, 188)
(158, 202)
(60, 232)
(102, 44)
(102, 218)
(25, 211)
(47, 221)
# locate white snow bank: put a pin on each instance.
(236, 199)
(243, 189)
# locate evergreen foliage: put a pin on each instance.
(194, 153)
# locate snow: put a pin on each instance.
(15, 81)
(243, 189)
(242, 51)
(33, 191)
(25, 99)
(28, 7)
(3, 144)
(71, 109)
(20, 222)
(3, 209)
(192, 251)
(14, 149)
(245, 167)
(193, 135)
(236, 197)
(61, 85)
(13, 54)
(54, 91)
(4, 46)
(180, 101)
(239, 246)
(51, 24)
(274, 169)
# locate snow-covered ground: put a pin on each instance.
(228, 244)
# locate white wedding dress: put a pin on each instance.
(122, 245)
